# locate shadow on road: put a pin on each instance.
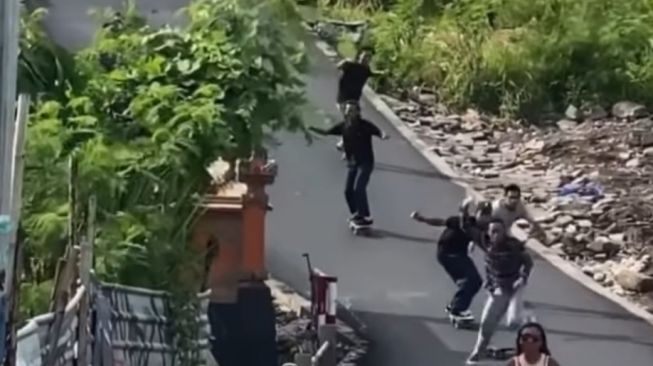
(410, 171)
(393, 332)
(584, 312)
(381, 234)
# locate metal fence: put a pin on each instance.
(32, 339)
(129, 326)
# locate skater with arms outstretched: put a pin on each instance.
(452, 254)
(357, 134)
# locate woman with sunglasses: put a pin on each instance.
(532, 349)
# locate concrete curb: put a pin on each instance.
(443, 166)
(291, 300)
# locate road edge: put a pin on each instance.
(443, 166)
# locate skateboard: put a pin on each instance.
(360, 229)
(501, 354)
(462, 322)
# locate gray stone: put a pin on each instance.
(633, 281)
(571, 229)
(648, 152)
(599, 277)
(629, 110)
(573, 113)
(566, 125)
(594, 112)
(564, 220)
(585, 224)
(633, 163)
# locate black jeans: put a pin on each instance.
(462, 270)
(358, 176)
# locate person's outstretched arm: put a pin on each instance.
(376, 131)
(333, 130)
(433, 221)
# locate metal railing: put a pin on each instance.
(129, 325)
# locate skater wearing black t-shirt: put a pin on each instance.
(353, 76)
(452, 254)
(357, 136)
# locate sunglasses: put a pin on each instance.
(530, 338)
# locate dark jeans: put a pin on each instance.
(462, 270)
(358, 176)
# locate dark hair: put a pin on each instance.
(511, 188)
(496, 220)
(544, 348)
(452, 222)
(484, 208)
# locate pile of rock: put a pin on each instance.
(294, 334)
(588, 176)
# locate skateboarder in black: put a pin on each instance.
(357, 134)
(353, 76)
(453, 255)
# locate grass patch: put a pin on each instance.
(520, 58)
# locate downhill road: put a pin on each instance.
(393, 283)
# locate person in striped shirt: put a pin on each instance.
(509, 209)
(508, 266)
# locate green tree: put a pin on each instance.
(147, 112)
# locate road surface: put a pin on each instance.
(392, 283)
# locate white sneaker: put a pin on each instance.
(466, 314)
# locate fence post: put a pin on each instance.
(325, 290)
(328, 333)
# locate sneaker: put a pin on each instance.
(367, 220)
(339, 145)
(362, 221)
(466, 314)
(474, 359)
(448, 309)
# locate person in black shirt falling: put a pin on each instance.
(357, 134)
(353, 76)
(452, 254)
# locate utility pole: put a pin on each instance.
(9, 31)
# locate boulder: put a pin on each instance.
(628, 110)
(634, 281)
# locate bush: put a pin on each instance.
(150, 110)
(517, 57)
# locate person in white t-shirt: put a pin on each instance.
(510, 208)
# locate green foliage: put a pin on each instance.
(517, 57)
(148, 112)
(43, 66)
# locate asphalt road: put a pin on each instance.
(392, 283)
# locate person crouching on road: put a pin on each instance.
(357, 134)
(452, 254)
(508, 266)
(532, 348)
